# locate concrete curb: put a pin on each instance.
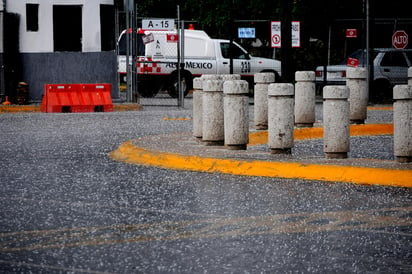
(129, 152)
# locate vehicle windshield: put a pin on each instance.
(122, 50)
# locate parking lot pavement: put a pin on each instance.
(67, 207)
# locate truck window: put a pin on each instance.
(395, 59)
(237, 53)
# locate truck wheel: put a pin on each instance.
(186, 80)
(147, 90)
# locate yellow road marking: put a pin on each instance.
(48, 268)
(305, 222)
(176, 119)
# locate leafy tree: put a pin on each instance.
(316, 16)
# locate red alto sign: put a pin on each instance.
(400, 39)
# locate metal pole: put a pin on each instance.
(116, 34)
(368, 69)
(286, 37)
(182, 60)
(179, 86)
(232, 21)
(2, 77)
(329, 41)
(134, 53)
(325, 66)
(128, 44)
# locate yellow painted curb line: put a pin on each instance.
(177, 119)
(261, 137)
(36, 108)
(129, 153)
(19, 108)
(381, 108)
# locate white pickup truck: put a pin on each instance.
(156, 61)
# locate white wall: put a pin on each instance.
(42, 40)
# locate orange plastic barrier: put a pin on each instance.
(98, 96)
(60, 98)
(77, 98)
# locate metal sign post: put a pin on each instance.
(131, 27)
(128, 68)
(135, 94)
(2, 77)
(369, 59)
(181, 64)
(180, 59)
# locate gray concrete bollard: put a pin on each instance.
(305, 93)
(280, 118)
(336, 140)
(410, 76)
(262, 81)
(227, 77)
(358, 94)
(236, 114)
(198, 103)
(212, 118)
(402, 122)
(197, 107)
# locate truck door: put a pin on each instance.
(241, 59)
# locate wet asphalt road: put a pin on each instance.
(66, 207)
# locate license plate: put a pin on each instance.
(337, 74)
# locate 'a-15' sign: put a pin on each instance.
(158, 24)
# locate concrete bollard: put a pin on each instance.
(197, 107)
(358, 94)
(336, 140)
(262, 81)
(305, 93)
(280, 118)
(212, 118)
(198, 103)
(228, 77)
(236, 114)
(402, 122)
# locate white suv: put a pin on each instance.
(390, 68)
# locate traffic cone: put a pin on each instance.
(7, 102)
